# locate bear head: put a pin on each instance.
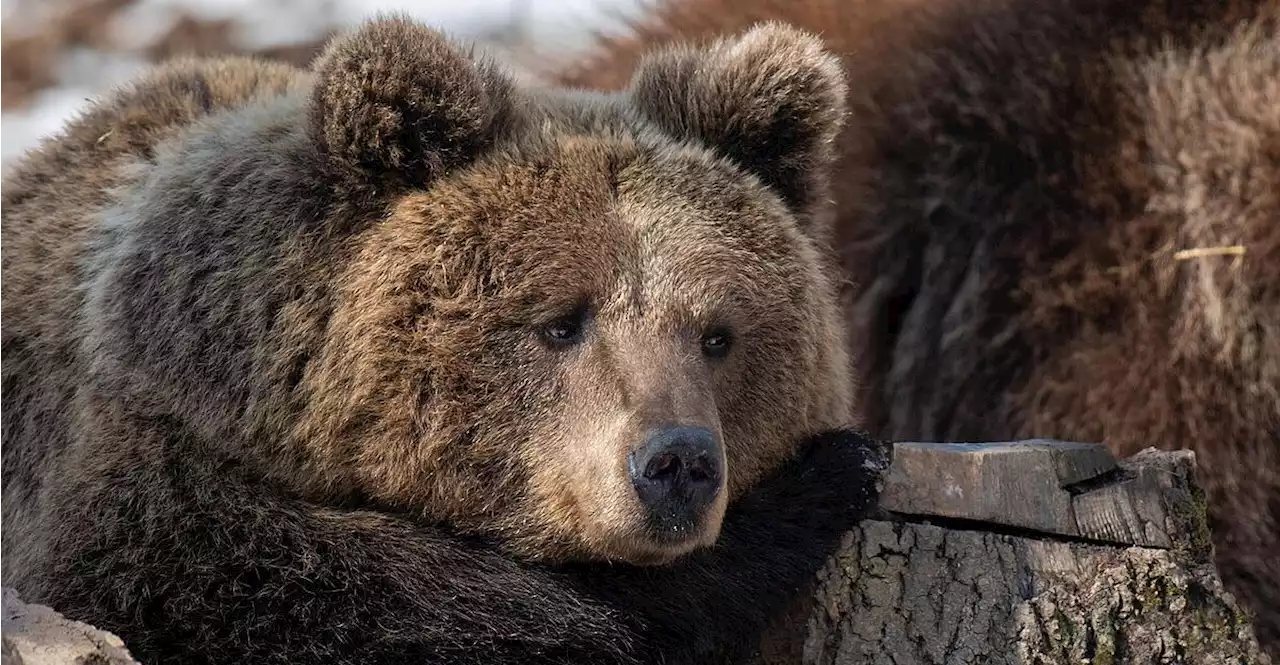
(578, 324)
(586, 322)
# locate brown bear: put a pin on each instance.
(1060, 218)
(396, 360)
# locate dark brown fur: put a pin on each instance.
(275, 388)
(1015, 183)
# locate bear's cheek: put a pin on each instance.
(790, 380)
(585, 478)
(577, 459)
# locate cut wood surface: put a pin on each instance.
(1053, 487)
(1023, 553)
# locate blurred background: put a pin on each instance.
(58, 53)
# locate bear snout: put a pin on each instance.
(677, 473)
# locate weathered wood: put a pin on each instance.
(1054, 487)
(1023, 553)
(37, 635)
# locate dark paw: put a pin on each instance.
(845, 453)
(835, 475)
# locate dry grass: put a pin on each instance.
(29, 57)
(33, 52)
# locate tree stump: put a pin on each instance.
(1023, 553)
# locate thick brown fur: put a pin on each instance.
(276, 383)
(1017, 181)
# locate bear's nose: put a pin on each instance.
(677, 473)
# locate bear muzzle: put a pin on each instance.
(678, 473)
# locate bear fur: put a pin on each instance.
(1058, 218)
(343, 365)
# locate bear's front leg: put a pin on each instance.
(192, 560)
(714, 604)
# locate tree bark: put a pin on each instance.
(1021, 554)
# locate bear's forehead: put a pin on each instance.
(631, 187)
(621, 214)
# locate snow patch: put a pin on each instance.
(552, 26)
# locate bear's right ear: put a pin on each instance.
(396, 103)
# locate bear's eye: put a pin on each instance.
(564, 331)
(715, 344)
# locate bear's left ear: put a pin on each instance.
(396, 102)
(772, 100)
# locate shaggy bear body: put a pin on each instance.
(1059, 219)
(395, 361)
